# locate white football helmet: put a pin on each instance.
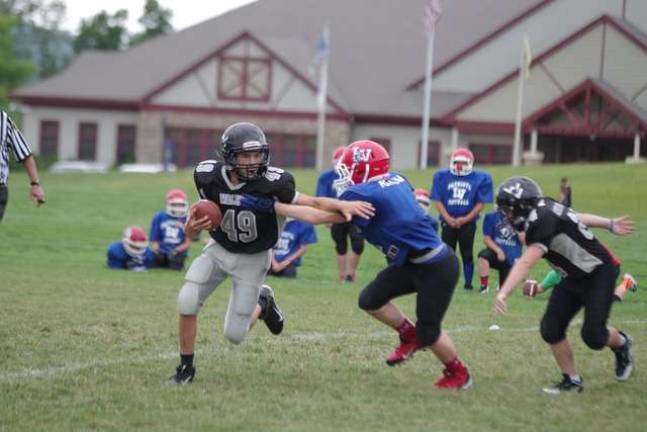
(177, 204)
(135, 241)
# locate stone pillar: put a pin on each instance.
(533, 157)
(635, 159)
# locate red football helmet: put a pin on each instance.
(135, 241)
(461, 162)
(177, 204)
(360, 162)
(337, 153)
(422, 197)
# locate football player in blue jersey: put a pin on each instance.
(132, 252)
(460, 193)
(347, 261)
(167, 236)
(292, 245)
(503, 245)
(419, 262)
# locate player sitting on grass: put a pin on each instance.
(132, 252)
(292, 245)
(563, 238)
(552, 278)
(502, 248)
(419, 262)
(168, 240)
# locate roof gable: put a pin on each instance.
(540, 60)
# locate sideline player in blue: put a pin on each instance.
(292, 245)
(419, 262)
(503, 246)
(347, 262)
(460, 194)
(132, 252)
(168, 239)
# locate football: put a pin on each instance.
(530, 288)
(210, 209)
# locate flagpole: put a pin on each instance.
(427, 100)
(524, 66)
(432, 15)
(321, 102)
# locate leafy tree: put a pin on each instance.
(102, 32)
(13, 70)
(156, 21)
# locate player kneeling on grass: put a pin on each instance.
(562, 237)
(168, 240)
(292, 245)
(250, 195)
(552, 278)
(419, 262)
(132, 252)
(502, 248)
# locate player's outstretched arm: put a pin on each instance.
(622, 225)
(347, 208)
(308, 214)
(518, 273)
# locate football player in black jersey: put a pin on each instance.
(254, 199)
(589, 270)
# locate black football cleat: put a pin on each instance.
(566, 385)
(183, 375)
(270, 312)
(624, 359)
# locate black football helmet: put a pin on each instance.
(245, 137)
(517, 197)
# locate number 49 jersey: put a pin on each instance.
(242, 230)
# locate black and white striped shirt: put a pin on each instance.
(10, 138)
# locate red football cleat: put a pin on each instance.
(458, 378)
(408, 346)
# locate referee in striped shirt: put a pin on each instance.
(11, 138)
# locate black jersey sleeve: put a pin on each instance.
(542, 227)
(283, 187)
(203, 175)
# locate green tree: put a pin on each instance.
(102, 32)
(13, 71)
(156, 21)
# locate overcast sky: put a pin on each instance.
(185, 12)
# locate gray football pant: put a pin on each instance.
(209, 270)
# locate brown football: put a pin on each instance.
(530, 288)
(210, 209)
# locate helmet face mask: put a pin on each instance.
(135, 241)
(461, 162)
(245, 151)
(177, 204)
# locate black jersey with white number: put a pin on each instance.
(570, 246)
(241, 230)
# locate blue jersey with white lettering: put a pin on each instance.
(499, 229)
(459, 194)
(325, 186)
(119, 259)
(168, 231)
(400, 228)
(294, 235)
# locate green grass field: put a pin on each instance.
(85, 348)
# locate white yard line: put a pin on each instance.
(53, 371)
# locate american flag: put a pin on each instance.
(433, 11)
